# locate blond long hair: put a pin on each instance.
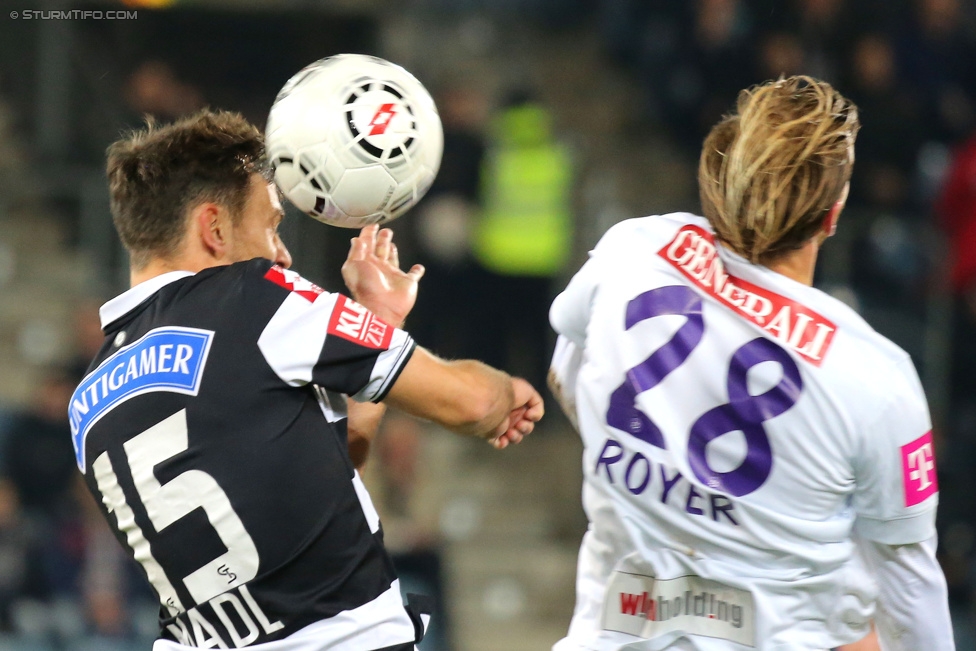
(770, 172)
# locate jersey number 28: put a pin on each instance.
(743, 412)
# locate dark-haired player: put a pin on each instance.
(213, 426)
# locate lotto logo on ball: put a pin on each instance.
(354, 140)
(918, 470)
(380, 120)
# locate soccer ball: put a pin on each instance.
(354, 140)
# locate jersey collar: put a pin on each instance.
(125, 302)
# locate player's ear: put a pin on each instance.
(830, 221)
(208, 224)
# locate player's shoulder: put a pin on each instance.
(857, 343)
(225, 277)
(640, 233)
(865, 355)
(238, 272)
(258, 276)
(864, 363)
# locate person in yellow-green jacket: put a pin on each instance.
(524, 235)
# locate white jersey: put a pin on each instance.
(739, 429)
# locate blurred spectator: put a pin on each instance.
(40, 464)
(711, 61)
(822, 30)
(88, 338)
(442, 225)
(523, 238)
(825, 30)
(956, 211)
(21, 575)
(887, 146)
(625, 23)
(780, 55)
(937, 57)
(116, 601)
(889, 271)
(37, 457)
(410, 512)
(154, 89)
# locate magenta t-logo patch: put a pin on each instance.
(918, 470)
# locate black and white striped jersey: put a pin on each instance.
(211, 429)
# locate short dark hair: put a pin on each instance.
(157, 173)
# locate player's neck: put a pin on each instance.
(798, 265)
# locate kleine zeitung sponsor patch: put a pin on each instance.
(352, 321)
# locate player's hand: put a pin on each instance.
(374, 278)
(521, 420)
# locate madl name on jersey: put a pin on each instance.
(164, 359)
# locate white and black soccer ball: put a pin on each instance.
(354, 140)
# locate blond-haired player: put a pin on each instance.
(759, 469)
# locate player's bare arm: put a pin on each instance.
(499, 408)
(374, 278)
(363, 422)
(467, 397)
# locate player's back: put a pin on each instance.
(730, 418)
(205, 430)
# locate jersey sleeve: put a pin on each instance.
(896, 490)
(569, 314)
(329, 340)
(913, 600)
(570, 311)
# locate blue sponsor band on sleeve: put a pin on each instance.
(170, 359)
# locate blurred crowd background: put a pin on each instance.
(561, 118)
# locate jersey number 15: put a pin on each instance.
(172, 501)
